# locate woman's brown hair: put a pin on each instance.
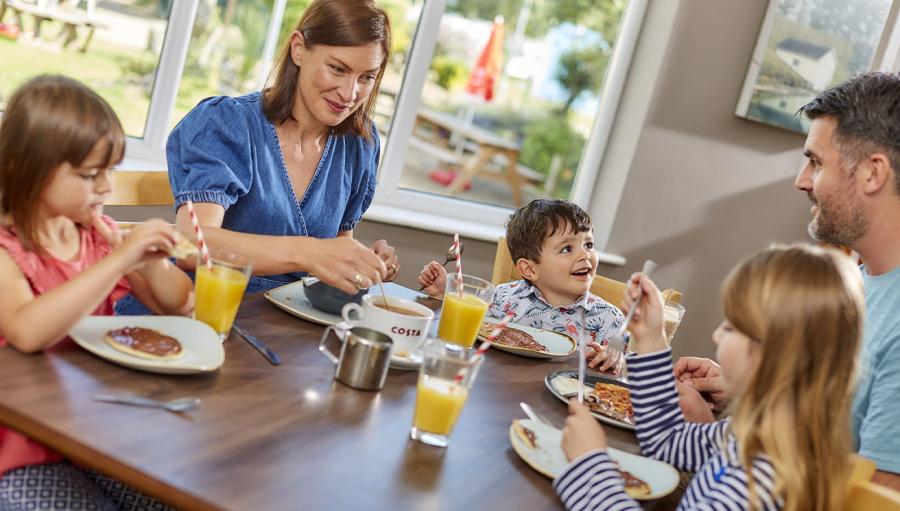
(50, 120)
(331, 23)
(804, 305)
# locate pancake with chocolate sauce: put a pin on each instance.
(144, 343)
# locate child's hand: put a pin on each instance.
(113, 237)
(581, 433)
(597, 355)
(433, 279)
(693, 406)
(147, 242)
(705, 376)
(647, 332)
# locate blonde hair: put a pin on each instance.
(804, 305)
(50, 120)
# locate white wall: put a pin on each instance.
(705, 187)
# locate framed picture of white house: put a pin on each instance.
(804, 47)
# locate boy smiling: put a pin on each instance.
(552, 245)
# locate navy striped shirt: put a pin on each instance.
(593, 482)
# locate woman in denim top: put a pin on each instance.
(284, 176)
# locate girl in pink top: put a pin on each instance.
(61, 259)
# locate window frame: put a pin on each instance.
(150, 150)
(479, 220)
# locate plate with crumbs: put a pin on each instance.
(609, 399)
(528, 341)
(539, 446)
(201, 349)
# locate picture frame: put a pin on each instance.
(805, 47)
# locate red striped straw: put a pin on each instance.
(479, 353)
(204, 251)
(458, 253)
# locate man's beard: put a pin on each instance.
(839, 222)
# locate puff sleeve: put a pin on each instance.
(210, 154)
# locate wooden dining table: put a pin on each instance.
(286, 437)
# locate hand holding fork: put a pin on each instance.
(645, 318)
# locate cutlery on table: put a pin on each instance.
(616, 343)
(535, 416)
(176, 405)
(267, 352)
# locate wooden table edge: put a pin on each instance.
(88, 457)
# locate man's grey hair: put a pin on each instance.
(867, 110)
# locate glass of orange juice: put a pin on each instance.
(218, 289)
(465, 303)
(445, 379)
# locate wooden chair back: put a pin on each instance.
(863, 494)
(141, 188)
(609, 289)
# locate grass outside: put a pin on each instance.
(101, 68)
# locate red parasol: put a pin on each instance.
(487, 69)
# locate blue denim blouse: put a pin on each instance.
(226, 152)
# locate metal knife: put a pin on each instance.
(535, 416)
(267, 352)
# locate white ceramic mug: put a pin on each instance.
(407, 332)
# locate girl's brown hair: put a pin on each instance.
(331, 23)
(804, 305)
(50, 120)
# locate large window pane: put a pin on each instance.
(225, 55)
(512, 85)
(112, 46)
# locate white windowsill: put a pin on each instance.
(435, 223)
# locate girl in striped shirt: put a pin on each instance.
(787, 347)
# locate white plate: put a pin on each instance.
(291, 298)
(557, 344)
(409, 363)
(564, 384)
(548, 459)
(203, 350)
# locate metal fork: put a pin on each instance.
(451, 256)
(615, 345)
(175, 405)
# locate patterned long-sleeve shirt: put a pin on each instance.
(529, 307)
(710, 450)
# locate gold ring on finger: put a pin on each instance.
(358, 280)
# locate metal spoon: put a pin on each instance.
(176, 405)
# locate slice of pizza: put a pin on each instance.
(611, 400)
(634, 486)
